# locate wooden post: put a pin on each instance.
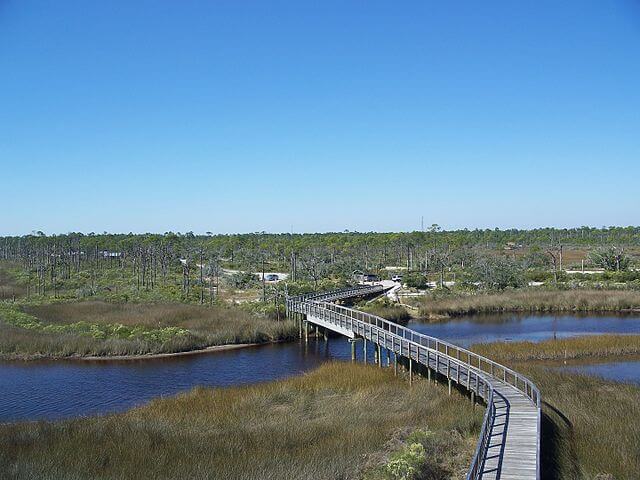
(326, 334)
(364, 349)
(395, 364)
(353, 350)
(449, 380)
(306, 332)
(410, 371)
(388, 358)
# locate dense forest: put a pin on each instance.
(149, 259)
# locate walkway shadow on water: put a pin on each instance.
(559, 460)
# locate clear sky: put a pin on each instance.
(241, 116)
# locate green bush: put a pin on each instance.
(416, 280)
(408, 463)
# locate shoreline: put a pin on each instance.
(438, 317)
(141, 357)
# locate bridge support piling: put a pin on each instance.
(326, 334)
(395, 364)
(388, 358)
(353, 350)
(364, 349)
(449, 381)
(378, 355)
(410, 371)
(473, 398)
(429, 374)
(306, 332)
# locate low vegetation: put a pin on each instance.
(590, 426)
(529, 300)
(588, 346)
(105, 329)
(389, 311)
(9, 287)
(340, 421)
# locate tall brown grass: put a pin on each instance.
(338, 422)
(588, 346)
(591, 427)
(207, 326)
(393, 313)
(529, 300)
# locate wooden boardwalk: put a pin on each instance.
(509, 443)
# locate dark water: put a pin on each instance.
(62, 389)
(54, 390)
(533, 328)
(626, 372)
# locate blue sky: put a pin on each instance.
(318, 116)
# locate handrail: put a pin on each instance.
(478, 368)
(339, 294)
(493, 368)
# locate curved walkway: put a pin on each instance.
(509, 443)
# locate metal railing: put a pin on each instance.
(459, 364)
(343, 293)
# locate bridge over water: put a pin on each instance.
(509, 443)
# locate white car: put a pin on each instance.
(397, 278)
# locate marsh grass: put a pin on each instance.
(340, 421)
(588, 346)
(528, 300)
(9, 286)
(100, 328)
(591, 426)
(393, 313)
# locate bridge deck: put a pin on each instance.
(509, 443)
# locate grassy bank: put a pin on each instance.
(589, 346)
(340, 421)
(530, 300)
(392, 312)
(591, 426)
(107, 329)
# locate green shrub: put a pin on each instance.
(408, 463)
(416, 280)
